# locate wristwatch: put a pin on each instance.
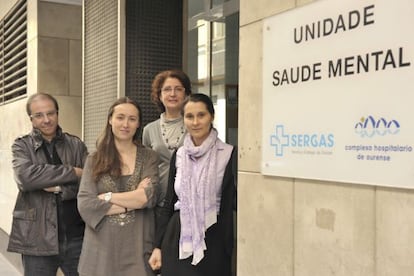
(108, 196)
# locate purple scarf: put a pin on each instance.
(197, 196)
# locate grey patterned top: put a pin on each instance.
(118, 244)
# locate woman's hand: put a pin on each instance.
(155, 259)
(144, 183)
(135, 199)
(140, 190)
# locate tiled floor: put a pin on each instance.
(6, 269)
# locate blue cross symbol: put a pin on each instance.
(279, 140)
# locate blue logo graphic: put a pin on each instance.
(280, 140)
(368, 127)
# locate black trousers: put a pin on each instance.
(215, 262)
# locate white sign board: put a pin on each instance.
(338, 92)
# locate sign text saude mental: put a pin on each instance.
(380, 59)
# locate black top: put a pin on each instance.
(70, 223)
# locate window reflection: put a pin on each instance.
(213, 60)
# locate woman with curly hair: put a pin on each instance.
(166, 134)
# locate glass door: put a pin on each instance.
(212, 59)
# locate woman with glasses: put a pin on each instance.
(165, 135)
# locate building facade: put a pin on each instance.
(41, 51)
(285, 226)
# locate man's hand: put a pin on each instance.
(55, 189)
(78, 171)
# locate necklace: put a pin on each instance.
(172, 135)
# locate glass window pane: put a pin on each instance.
(195, 7)
(219, 2)
(213, 42)
(198, 57)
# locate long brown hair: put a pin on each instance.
(106, 159)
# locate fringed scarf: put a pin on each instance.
(197, 196)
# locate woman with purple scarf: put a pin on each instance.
(194, 233)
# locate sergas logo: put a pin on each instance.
(281, 140)
(369, 127)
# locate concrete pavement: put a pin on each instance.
(7, 269)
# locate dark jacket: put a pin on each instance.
(35, 216)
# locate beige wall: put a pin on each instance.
(13, 123)
(55, 67)
(5, 6)
(304, 227)
(60, 60)
(12, 119)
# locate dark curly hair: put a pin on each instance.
(159, 80)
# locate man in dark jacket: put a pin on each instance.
(47, 228)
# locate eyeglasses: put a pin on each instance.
(169, 89)
(41, 115)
